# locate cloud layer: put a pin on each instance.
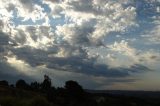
(105, 40)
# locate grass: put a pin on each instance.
(14, 101)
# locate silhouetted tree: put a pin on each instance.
(4, 83)
(22, 84)
(35, 86)
(73, 86)
(74, 90)
(46, 83)
(76, 96)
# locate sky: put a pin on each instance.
(102, 44)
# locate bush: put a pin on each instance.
(73, 86)
(4, 83)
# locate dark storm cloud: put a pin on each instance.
(4, 44)
(79, 63)
(89, 68)
(4, 39)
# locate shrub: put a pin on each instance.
(4, 83)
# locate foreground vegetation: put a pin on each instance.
(72, 94)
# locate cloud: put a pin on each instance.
(33, 36)
(5, 19)
(148, 14)
(78, 38)
(99, 18)
(75, 34)
(28, 5)
(13, 69)
(4, 45)
(22, 9)
(29, 11)
(4, 38)
(11, 74)
(109, 15)
(72, 60)
(121, 54)
(153, 36)
(94, 22)
(55, 7)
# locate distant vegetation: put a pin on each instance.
(72, 94)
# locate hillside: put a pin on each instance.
(18, 97)
(72, 94)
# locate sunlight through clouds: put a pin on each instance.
(107, 41)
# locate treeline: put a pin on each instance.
(72, 94)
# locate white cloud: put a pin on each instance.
(6, 15)
(73, 34)
(101, 16)
(154, 35)
(34, 36)
(26, 12)
(25, 9)
(109, 15)
(55, 6)
(121, 54)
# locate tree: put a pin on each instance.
(46, 83)
(74, 89)
(35, 86)
(22, 84)
(73, 86)
(76, 96)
